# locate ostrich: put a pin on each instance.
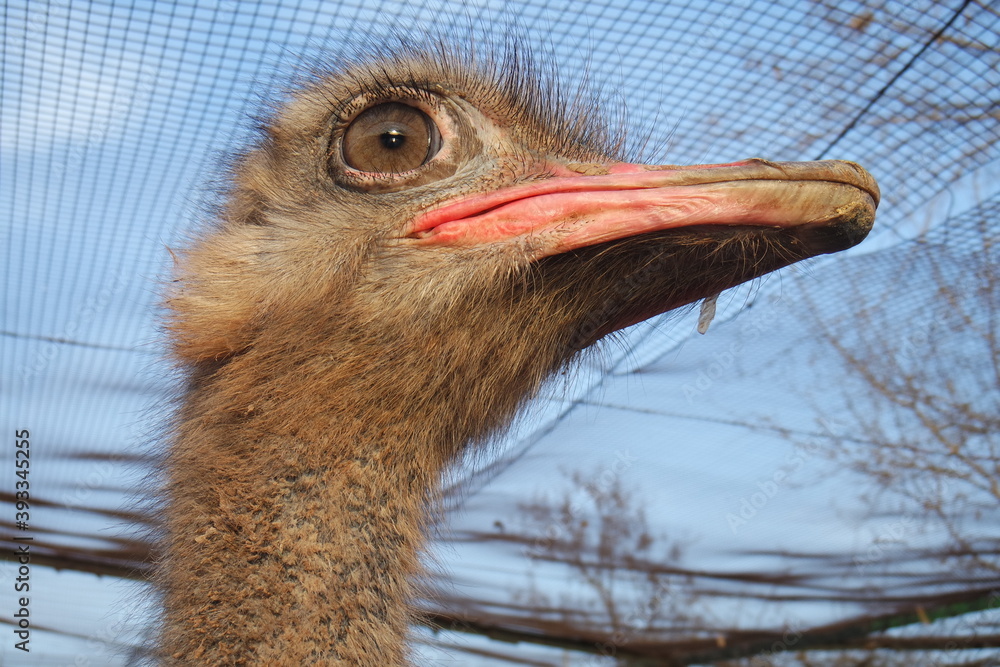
(414, 244)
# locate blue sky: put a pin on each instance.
(115, 119)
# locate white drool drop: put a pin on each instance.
(707, 313)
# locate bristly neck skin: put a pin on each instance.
(299, 483)
(273, 563)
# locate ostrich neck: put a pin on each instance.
(296, 507)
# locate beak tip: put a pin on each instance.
(852, 228)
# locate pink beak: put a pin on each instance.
(584, 205)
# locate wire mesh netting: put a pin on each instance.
(817, 474)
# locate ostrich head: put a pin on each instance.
(414, 244)
(421, 210)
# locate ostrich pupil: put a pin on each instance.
(393, 139)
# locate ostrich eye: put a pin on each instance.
(390, 138)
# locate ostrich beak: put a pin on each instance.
(828, 205)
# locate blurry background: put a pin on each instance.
(813, 482)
